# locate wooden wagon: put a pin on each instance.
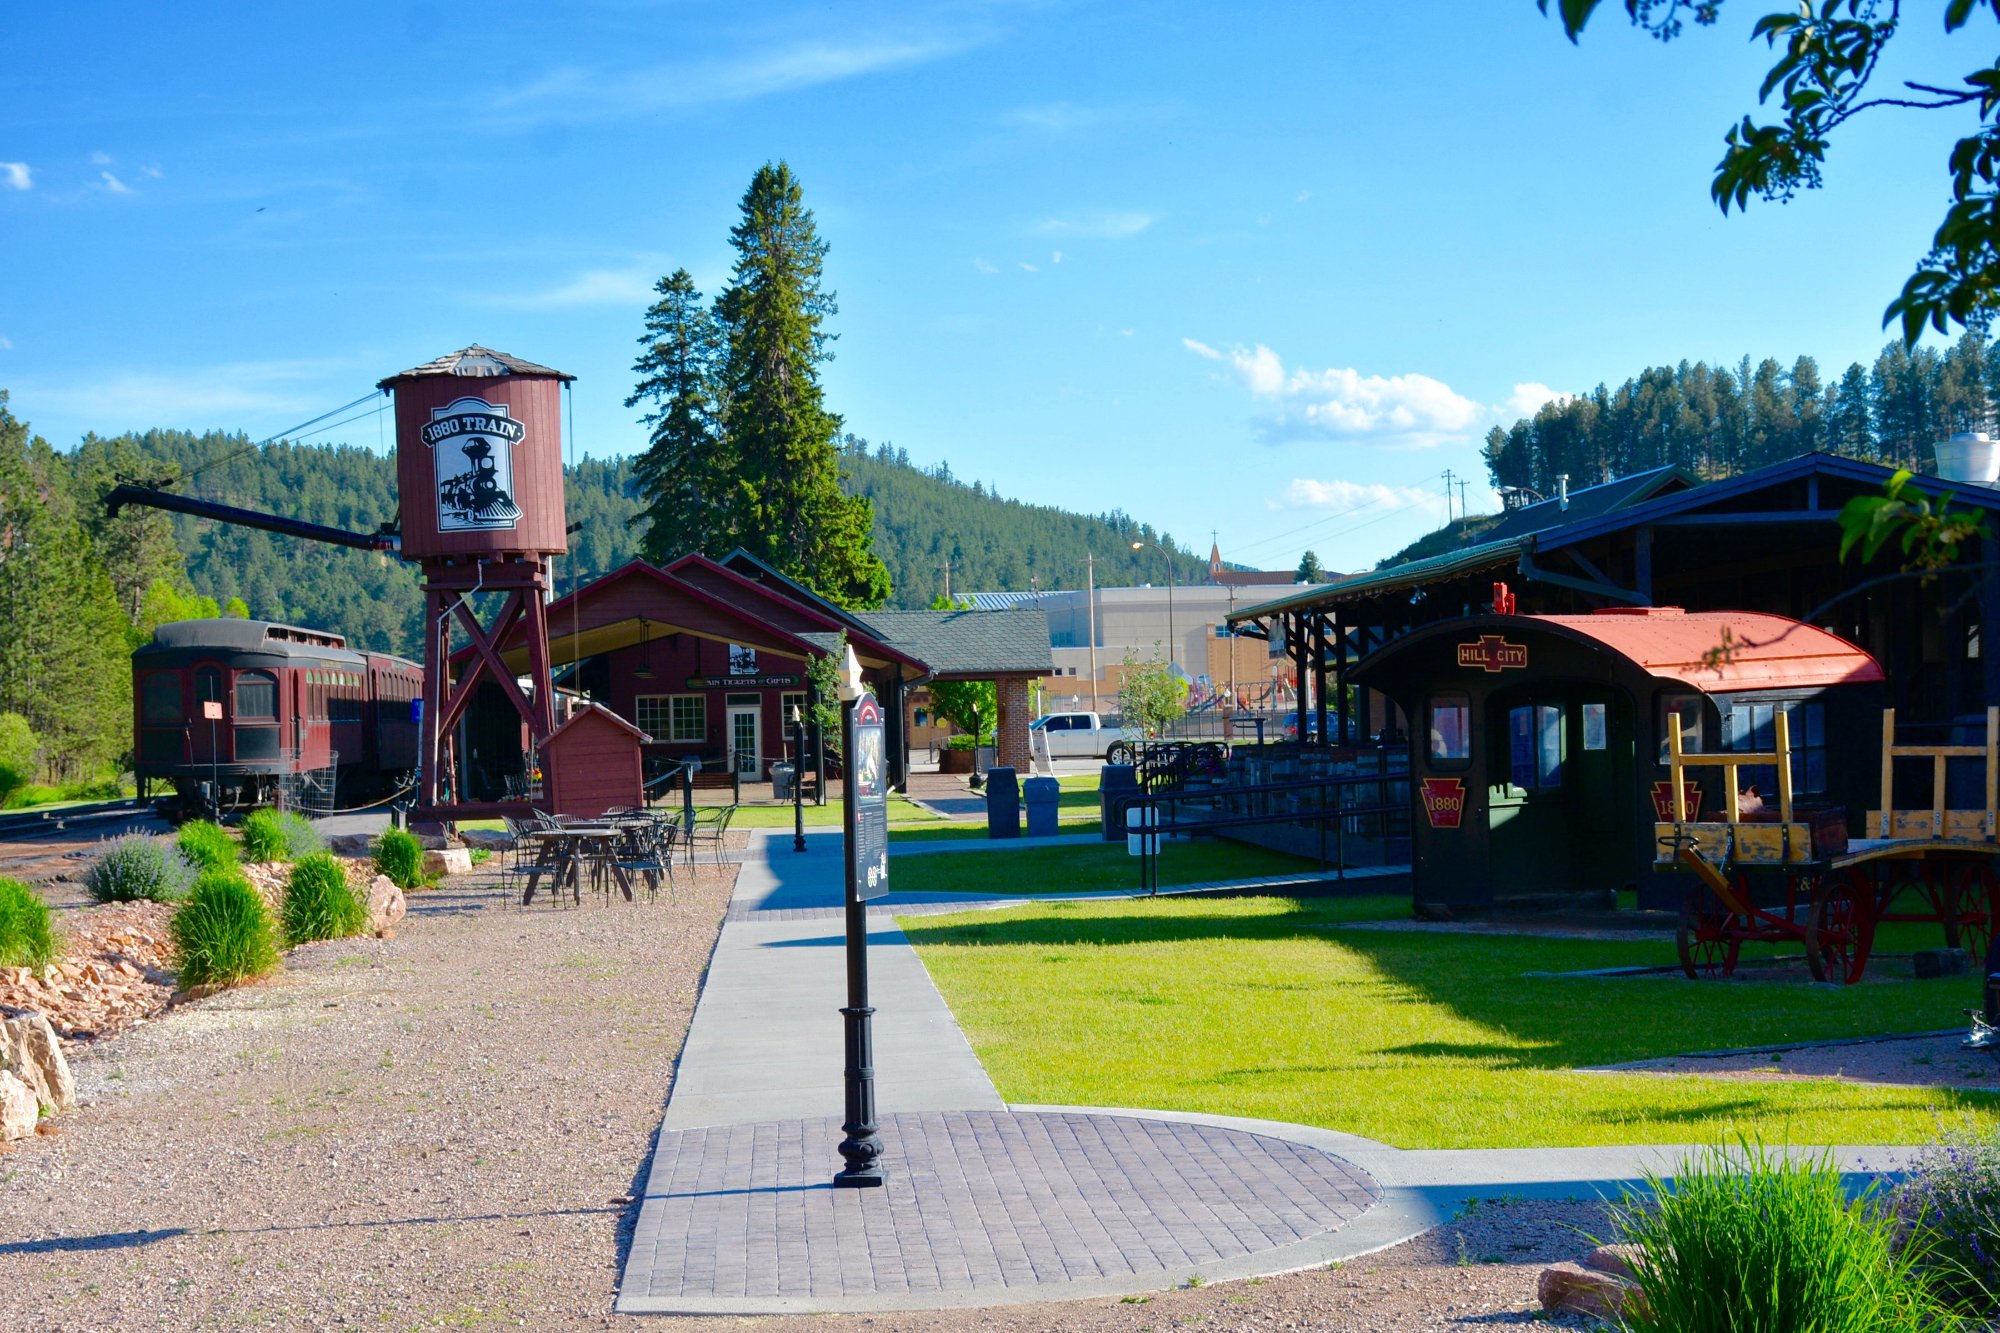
(1795, 879)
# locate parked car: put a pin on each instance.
(1288, 725)
(1082, 736)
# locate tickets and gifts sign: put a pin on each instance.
(1663, 801)
(1444, 801)
(868, 792)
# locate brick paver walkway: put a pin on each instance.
(742, 1217)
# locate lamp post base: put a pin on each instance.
(862, 1148)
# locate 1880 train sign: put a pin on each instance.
(472, 444)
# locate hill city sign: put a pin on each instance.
(1493, 653)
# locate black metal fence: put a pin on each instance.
(1338, 812)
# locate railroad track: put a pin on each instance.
(70, 819)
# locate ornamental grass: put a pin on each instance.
(1751, 1238)
(137, 868)
(223, 933)
(271, 835)
(206, 846)
(400, 856)
(26, 938)
(319, 905)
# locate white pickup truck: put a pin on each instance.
(1082, 736)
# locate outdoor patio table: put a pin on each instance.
(570, 850)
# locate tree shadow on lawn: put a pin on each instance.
(1524, 1022)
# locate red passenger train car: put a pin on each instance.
(224, 711)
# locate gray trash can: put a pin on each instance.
(781, 782)
(1117, 784)
(1044, 796)
(1003, 804)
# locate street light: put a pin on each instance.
(1172, 647)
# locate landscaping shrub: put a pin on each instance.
(223, 934)
(401, 857)
(964, 742)
(1752, 1239)
(19, 749)
(25, 937)
(138, 867)
(206, 846)
(271, 836)
(318, 903)
(1948, 1207)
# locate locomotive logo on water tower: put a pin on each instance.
(472, 444)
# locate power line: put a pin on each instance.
(289, 433)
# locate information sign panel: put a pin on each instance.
(868, 790)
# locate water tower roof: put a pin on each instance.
(475, 362)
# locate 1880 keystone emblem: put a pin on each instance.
(472, 447)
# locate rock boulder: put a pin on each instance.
(1617, 1260)
(385, 905)
(31, 1052)
(18, 1112)
(447, 861)
(1574, 1289)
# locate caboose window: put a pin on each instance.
(1535, 745)
(160, 699)
(1451, 728)
(256, 696)
(1753, 726)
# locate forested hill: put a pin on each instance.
(920, 518)
(1722, 420)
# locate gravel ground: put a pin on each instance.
(445, 1130)
(1918, 1062)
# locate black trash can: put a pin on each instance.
(1003, 804)
(1117, 784)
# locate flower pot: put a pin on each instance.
(954, 761)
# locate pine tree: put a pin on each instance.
(685, 471)
(1310, 570)
(788, 503)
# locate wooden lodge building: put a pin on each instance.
(708, 659)
(1530, 677)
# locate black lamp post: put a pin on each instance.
(1172, 647)
(861, 1148)
(798, 779)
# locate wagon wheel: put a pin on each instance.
(1833, 934)
(1706, 945)
(1969, 911)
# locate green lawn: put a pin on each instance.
(964, 830)
(1035, 870)
(1255, 1007)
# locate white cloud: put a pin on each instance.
(591, 287)
(113, 184)
(100, 159)
(1096, 224)
(983, 266)
(6, 344)
(151, 173)
(1029, 267)
(16, 176)
(1527, 399)
(1410, 410)
(1056, 258)
(574, 93)
(1306, 493)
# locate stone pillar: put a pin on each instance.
(1010, 731)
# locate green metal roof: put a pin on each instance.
(973, 645)
(1483, 556)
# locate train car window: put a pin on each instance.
(1535, 746)
(160, 698)
(1753, 726)
(1688, 707)
(1451, 728)
(256, 696)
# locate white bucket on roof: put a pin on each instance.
(1969, 456)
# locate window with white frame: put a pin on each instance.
(672, 717)
(650, 714)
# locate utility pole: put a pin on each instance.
(1090, 608)
(1461, 499)
(1447, 497)
(947, 580)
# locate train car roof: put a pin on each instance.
(229, 635)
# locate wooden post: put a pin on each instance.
(1678, 801)
(1992, 767)
(1888, 772)
(1784, 729)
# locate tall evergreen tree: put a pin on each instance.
(685, 473)
(788, 503)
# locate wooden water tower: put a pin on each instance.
(479, 473)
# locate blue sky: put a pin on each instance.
(1262, 270)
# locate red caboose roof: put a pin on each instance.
(1762, 652)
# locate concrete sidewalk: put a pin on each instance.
(988, 1204)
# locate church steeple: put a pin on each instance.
(1214, 560)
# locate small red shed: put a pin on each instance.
(591, 764)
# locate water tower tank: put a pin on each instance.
(479, 456)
